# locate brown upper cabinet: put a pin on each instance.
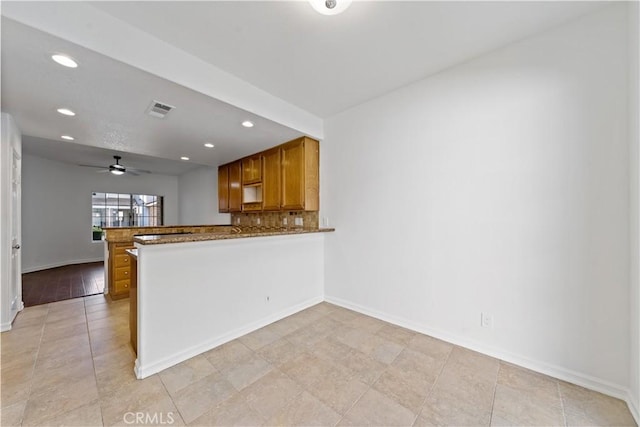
(271, 177)
(235, 187)
(223, 188)
(229, 188)
(251, 170)
(285, 177)
(252, 183)
(300, 174)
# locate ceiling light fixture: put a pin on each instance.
(66, 112)
(117, 168)
(330, 7)
(247, 124)
(184, 158)
(64, 60)
(67, 137)
(209, 145)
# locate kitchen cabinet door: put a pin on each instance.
(300, 175)
(251, 170)
(223, 189)
(271, 174)
(235, 187)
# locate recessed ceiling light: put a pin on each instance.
(66, 112)
(247, 124)
(209, 145)
(64, 60)
(67, 137)
(184, 158)
(330, 7)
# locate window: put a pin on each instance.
(124, 210)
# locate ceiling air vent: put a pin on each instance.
(159, 109)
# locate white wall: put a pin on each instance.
(198, 198)
(634, 140)
(10, 280)
(56, 209)
(498, 186)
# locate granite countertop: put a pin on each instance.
(231, 232)
(132, 252)
(162, 226)
(126, 234)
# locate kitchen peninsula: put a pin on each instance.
(198, 291)
(197, 287)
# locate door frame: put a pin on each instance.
(10, 157)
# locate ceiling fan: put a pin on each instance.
(117, 169)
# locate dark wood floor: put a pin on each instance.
(57, 284)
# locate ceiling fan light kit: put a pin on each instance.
(330, 7)
(117, 168)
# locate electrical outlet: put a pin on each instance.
(486, 320)
(325, 221)
(238, 221)
(298, 221)
(284, 221)
(258, 221)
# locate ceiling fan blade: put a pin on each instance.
(117, 166)
(138, 171)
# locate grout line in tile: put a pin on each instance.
(564, 415)
(495, 388)
(33, 367)
(93, 362)
(173, 401)
(424, 401)
(355, 402)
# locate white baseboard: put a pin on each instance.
(6, 326)
(583, 380)
(60, 264)
(153, 368)
(633, 406)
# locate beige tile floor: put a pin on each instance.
(70, 363)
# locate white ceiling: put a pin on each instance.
(317, 63)
(326, 64)
(110, 99)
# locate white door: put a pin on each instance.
(16, 269)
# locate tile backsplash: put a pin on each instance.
(294, 219)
